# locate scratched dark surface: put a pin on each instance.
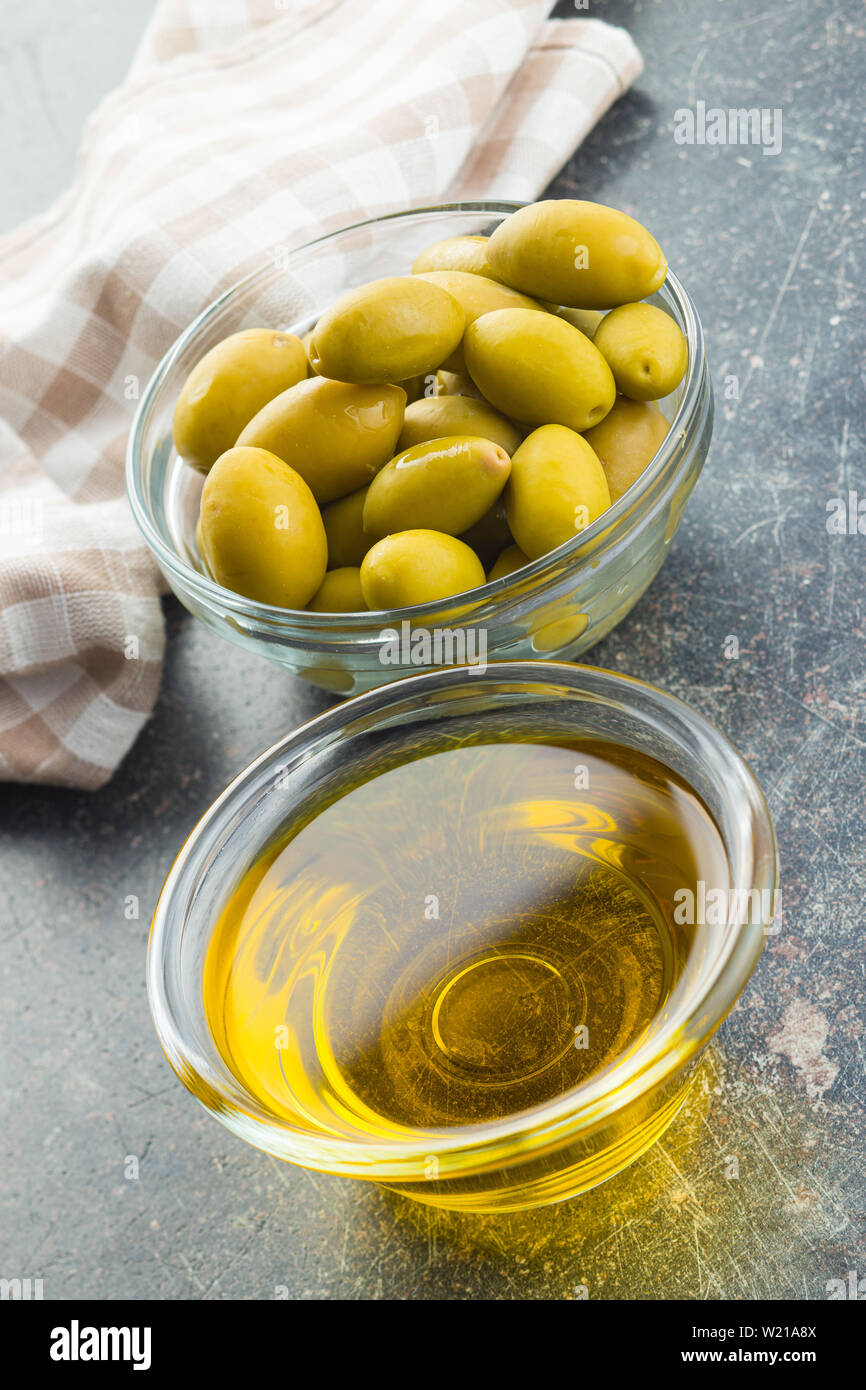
(772, 247)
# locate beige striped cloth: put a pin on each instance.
(243, 125)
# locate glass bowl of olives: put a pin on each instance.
(442, 437)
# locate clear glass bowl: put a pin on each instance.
(559, 605)
(578, 1139)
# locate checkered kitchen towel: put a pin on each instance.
(244, 124)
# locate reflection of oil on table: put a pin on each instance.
(757, 1189)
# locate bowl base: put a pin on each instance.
(493, 1192)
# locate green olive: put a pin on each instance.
(348, 542)
(434, 417)
(583, 255)
(627, 439)
(418, 567)
(454, 384)
(587, 320)
(443, 485)
(261, 530)
(509, 562)
(476, 295)
(556, 625)
(490, 535)
(556, 488)
(644, 349)
(538, 369)
(339, 592)
(415, 386)
(229, 386)
(468, 253)
(336, 434)
(387, 330)
(307, 341)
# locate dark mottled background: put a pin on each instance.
(773, 250)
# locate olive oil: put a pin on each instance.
(469, 934)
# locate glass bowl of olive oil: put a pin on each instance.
(468, 934)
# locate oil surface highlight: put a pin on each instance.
(462, 937)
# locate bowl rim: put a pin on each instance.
(601, 535)
(484, 1146)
